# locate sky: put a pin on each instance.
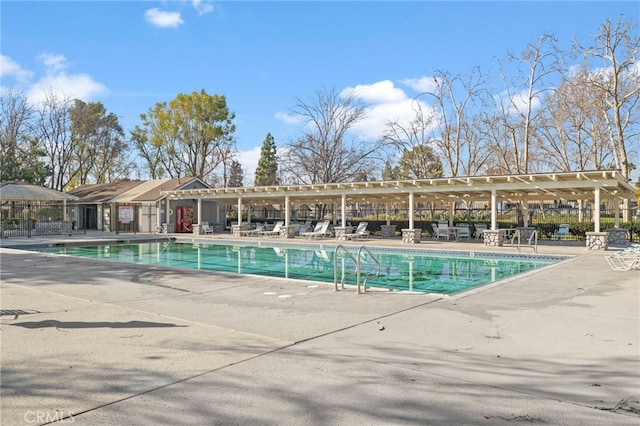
(263, 55)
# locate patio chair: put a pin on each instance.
(439, 231)
(320, 231)
(275, 232)
(480, 227)
(206, 228)
(360, 232)
(442, 230)
(562, 232)
(462, 230)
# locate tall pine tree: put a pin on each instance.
(266, 172)
(236, 175)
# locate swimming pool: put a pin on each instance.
(425, 271)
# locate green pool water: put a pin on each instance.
(427, 271)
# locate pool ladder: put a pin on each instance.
(357, 272)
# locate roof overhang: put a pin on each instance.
(565, 185)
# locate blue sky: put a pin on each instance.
(262, 55)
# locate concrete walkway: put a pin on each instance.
(120, 344)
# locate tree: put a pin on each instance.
(327, 152)
(419, 163)
(192, 135)
(522, 107)
(151, 154)
(99, 145)
(617, 80)
(267, 170)
(574, 135)
(21, 156)
(236, 175)
(389, 172)
(52, 131)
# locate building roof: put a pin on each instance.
(156, 192)
(562, 185)
(134, 191)
(22, 191)
(103, 192)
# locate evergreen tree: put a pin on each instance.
(236, 175)
(266, 172)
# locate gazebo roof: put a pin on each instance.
(563, 185)
(21, 191)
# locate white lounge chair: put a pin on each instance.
(251, 232)
(625, 260)
(275, 232)
(360, 232)
(320, 231)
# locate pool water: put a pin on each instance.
(401, 269)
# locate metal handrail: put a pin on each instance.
(335, 266)
(359, 270)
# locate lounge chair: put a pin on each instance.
(251, 232)
(360, 232)
(562, 232)
(320, 231)
(625, 260)
(275, 232)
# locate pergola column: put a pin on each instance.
(410, 209)
(344, 209)
(199, 210)
(596, 213)
(411, 235)
(239, 210)
(287, 210)
(386, 213)
(494, 210)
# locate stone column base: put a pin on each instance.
(492, 238)
(387, 231)
(411, 236)
(597, 240)
(617, 237)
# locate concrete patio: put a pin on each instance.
(102, 343)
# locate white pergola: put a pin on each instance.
(594, 186)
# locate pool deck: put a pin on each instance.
(114, 344)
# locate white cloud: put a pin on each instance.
(12, 69)
(249, 161)
(384, 103)
(288, 118)
(64, 86)
(421, 84)
(380, 92)
(387, 103)
(163, 19)
(53, 63)
(202, 6)
(518, 104)
(53, 81)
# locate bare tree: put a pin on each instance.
(575, 133)
(326, 151)
(52, 128)
(522, 107)
(617, 79)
